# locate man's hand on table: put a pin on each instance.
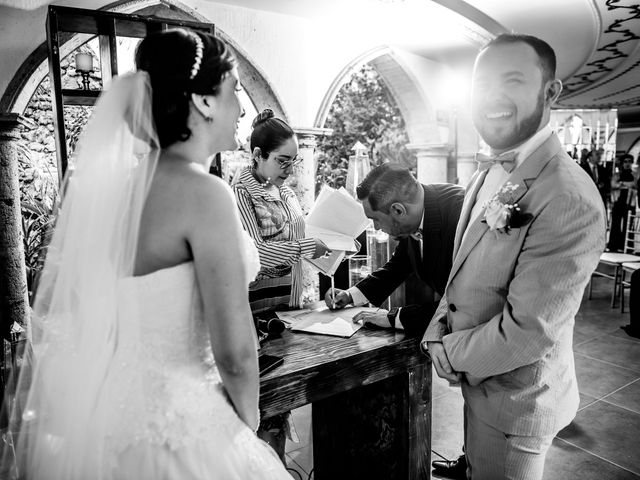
(379, 318)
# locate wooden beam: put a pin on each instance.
(80, 97)
(55, 78)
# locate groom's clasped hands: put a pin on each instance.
(441, 363)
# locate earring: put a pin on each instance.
(209, 119)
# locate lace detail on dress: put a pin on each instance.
(167, 389)
(166, 392)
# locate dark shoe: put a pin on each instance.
(631, 330)
(456, 469)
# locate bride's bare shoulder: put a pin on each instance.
(211, 187)
(187, 180)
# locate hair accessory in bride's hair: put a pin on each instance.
(198, 57)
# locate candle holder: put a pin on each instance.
(84, 65)
(85, 80)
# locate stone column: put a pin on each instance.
(466, 167)
(468, 145)
(304, 185)
(304, 174)
(14, 301)
(433, 162)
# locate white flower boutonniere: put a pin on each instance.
(502, 212)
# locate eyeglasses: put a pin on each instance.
(289, 162)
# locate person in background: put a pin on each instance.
(624, 191)
(271, 214)
(633, 329)
(423, 219)
(598, 173)
(147, 365)
(585, 153)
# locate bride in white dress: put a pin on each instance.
(144, 362)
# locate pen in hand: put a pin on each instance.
(333, 294)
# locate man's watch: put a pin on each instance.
(391, 316)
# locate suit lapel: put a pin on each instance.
(523, 176)
(467, 205)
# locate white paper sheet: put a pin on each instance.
(328, 265)
(337, 219)
(333, 240)
(338, 212)
(324, 321)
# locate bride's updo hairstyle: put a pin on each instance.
(268, 133)
(181, 62)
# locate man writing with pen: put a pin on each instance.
(423, 219)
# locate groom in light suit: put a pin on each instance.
(530, 234)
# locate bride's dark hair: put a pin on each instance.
(178, 66)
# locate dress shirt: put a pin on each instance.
(496, 175)
(359, 299)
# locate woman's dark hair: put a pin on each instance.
(169, 57)
(268, 132)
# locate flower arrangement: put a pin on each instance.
(502, 213)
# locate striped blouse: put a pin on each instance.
(277, 227)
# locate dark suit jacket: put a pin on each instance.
(442, 205)
(604, 179)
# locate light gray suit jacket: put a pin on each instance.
(506, 318)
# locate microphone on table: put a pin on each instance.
(273, 325)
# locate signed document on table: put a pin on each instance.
(325, 321)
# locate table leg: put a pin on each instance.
(377, 431)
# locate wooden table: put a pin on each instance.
(371, 397)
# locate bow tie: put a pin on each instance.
(507, 160)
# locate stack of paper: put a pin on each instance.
(337, 219)
(336, 326)
(324, 321)
(327, 322)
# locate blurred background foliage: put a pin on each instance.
(364, 110)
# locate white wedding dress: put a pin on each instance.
(166, 410)
(119, 380)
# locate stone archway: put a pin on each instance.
(416, 110)
(418, 113)
(35, 68)
(31, 139)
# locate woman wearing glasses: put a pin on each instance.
(271, 213)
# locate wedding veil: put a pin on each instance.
(56, 418)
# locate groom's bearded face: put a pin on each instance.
(508, 95)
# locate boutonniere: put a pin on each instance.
(502, 213)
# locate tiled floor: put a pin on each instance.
(602, 443)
